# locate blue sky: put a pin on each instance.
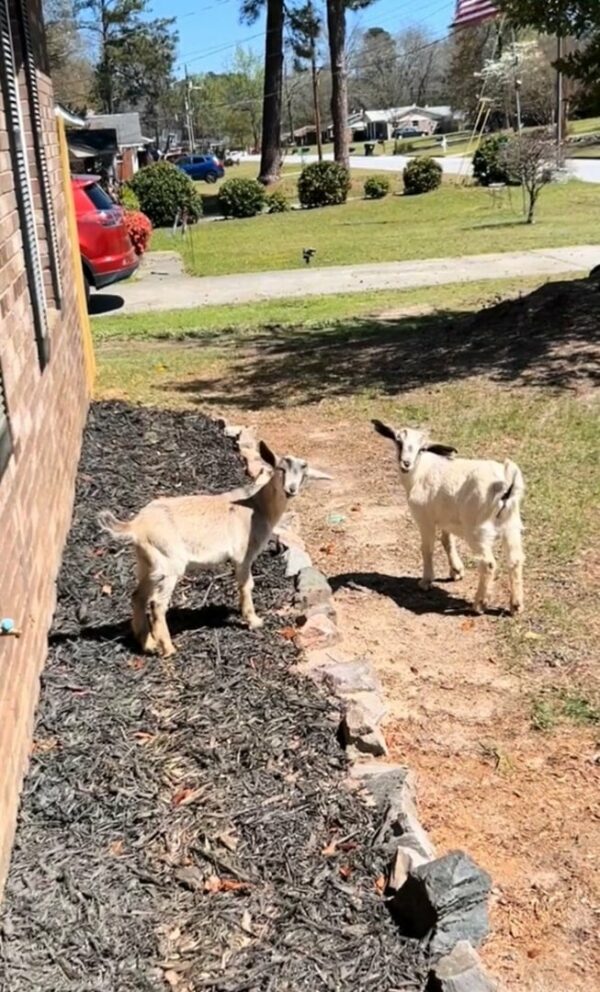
(210, 29)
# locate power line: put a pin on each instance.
(190, 57)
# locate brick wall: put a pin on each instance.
(47, 411)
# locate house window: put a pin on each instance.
(41, 158)
(5, 435)
(22, 181)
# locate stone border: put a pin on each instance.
(441, 899)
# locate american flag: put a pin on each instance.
(470, 12)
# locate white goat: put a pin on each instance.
(204, 531)
(475, 499)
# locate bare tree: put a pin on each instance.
(530, 159)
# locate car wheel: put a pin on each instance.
(211, 177)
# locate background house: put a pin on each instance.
(46, 365)
(131, 144)
(377, 125)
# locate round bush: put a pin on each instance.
(128, 199)
(277, 202)
(139, 230)
(241, 198)
(422, 175)
(487, 161)
(376, 187)
(323, 184)
(162, 189)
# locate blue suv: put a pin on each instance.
(205, 167)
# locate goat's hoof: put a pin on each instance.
(255, 623)
(479, 607)
(516, 608)
(167, 650)
(457, 574)
(425, 584)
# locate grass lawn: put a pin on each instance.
(454, 220)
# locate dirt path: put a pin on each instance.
(520, 802)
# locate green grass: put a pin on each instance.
(454, 220)
(312, 313)
(554, 707)
(587, 126)
(588, 151)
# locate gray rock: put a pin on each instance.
(232, 430)
(295, 560)
(443, 902)
(312, 588)
(392, 791)
(318, 632)
(460, 971)
(352, 676)
(404, 861)
(323, 608)
(358, 731)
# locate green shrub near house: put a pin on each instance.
(163, 190)
(422, 175)
(376, 187)
(241, 198)
(277, 202)
(487, 161)
(323, 184)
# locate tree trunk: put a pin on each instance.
(270, 158)
(336, 26)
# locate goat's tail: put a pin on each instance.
(120, 529)
(510, 495)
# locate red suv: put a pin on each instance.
(107, 254)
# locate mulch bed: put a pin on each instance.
(184, 823)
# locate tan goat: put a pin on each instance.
(172, 533)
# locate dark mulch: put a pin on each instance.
(175, 816)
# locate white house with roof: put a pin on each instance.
(379, 125)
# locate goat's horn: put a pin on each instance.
(315, 473)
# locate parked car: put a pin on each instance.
(206, 167)
(107, 254)
(408, 132)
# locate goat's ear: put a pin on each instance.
(315, 474)
(267, 455)
(445, 450)
(384, 430)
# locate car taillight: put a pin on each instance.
(110, 218)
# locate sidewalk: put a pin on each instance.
(162, 284)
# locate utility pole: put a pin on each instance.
(560, 123)
(188, 114)
(315, 86)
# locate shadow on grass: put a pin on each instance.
(104, 303)
(549, 338)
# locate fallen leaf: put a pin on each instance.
(345, 871)
(44, 744)
(98, 552)
(530, 635)
(228, 841)
(330, 849)
(288, 633)
(246, 921)
(107, 590)
(172, 978)
(116, 848)
(186, 796)
(212, 884)
(380, 883)
(144, 738)
(137, 664)
(215, 884)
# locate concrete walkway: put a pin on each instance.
(162, 285)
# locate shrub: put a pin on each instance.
(128, 199)
(323, 184)
(402, 147)
(162, 189)
(488, 166)
(376, 187)
(421, 176)
(139, 230)
(241, 198)
(277, 202)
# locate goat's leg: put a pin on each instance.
(457, 570)
(159, 604)
(487, 574)
(427, 549)
(513, 544)
(246, 585)
(140, 602)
